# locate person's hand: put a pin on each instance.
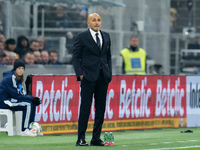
(81, 77)
(36, 101)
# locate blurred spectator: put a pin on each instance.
(22, 46)
(4, 59)
(79, 16)
(2, 38)
(69, 42)
(2, 55)
(173, 18)
(12, 57)
(62, 19)
(134, 58)
(37, 56)
(34, 46)
(53, 57)
(83, 17)
(29, 58)
(9, 57)
(45, 57)
(10, 45)
(42, 42)
(2, 47)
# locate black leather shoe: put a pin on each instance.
(81, 142)
(96, 142)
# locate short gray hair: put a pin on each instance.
(133, 36)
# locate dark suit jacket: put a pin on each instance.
(88, 58)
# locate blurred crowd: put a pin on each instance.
(31, 52)
(36, 51)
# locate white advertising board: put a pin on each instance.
(193, 101)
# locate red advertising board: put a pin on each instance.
(133, 102)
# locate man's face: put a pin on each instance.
(53, 57)
(60, 11)
(2, 38)
(35, 46)
(24, 43)
(134, 42)
(1, 46)
(20, 71)
(45, 57)
(29, 59)
(5, 60)
(12, 60)
(94, 22)
(37, 56)
(41, 42)
(12, 47)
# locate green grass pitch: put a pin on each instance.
(157, 139)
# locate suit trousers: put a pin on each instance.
(99, 90)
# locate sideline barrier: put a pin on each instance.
(133, 102)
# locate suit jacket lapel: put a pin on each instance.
(90, 38)
(103, 40)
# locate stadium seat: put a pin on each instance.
(13, 122)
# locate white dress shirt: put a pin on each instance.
(93, 33)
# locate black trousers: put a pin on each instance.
(99, 90)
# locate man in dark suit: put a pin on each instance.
(92, 64)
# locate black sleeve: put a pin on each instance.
(77, 56)
(123, 65)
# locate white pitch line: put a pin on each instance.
(175, 147)
(167, 142)
(153, 144)
(193, 140)
(180, 141)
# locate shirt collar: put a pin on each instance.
(94, 33)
